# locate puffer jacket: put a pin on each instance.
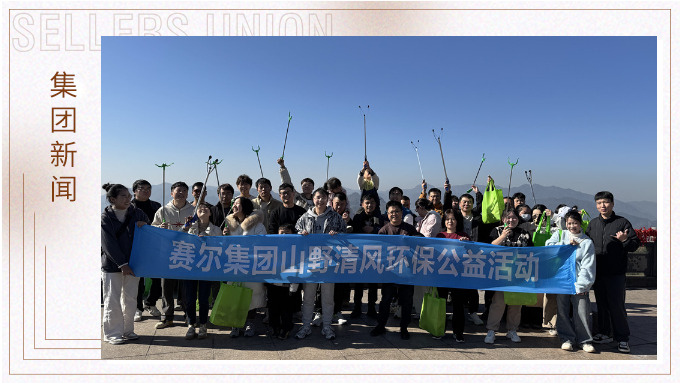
(251, 225)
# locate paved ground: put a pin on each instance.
(353, 342)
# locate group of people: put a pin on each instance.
(600, 259)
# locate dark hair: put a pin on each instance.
(341, 196)
(435, 190)
(540, 207)
(199, 184)
(307, 180)
(422, 202)
(113, 190)
(226, 187)
(286, 185)
(604, 195)
(522, 206)
(332, 183)
(244, 179)
(367, 197)
(322, 191)
(262, 181)
(205, 204)
(405, 198)
(520, 196)
(573, 214)
(508, 211)
(246, 205)
(457, 215)
(179, 184)
(391, 203)
(139, 183)
(287, 226)
(396, 189)
(467, 195)
(557, 209)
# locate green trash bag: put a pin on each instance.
(492, 204)
(433, 313)
(231, 305)
(520, 299)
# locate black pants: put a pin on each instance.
(281, 305)
(340, 292)
(459, 299)
(610, 297)
(359, 294)
(168, 307)
(190, 290)
(154, 293)
(405, 293)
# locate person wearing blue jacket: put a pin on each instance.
(119, 281)
(576, 330)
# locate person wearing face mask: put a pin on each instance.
(524, 213)
(513, 236)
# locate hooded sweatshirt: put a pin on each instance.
(322, 223)
(584, 257)
(173, 216)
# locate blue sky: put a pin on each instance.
(580, 112)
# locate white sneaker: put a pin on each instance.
(328, 332)
(587, 347)
(153, 311)
(191, 332)
(567, 346)
(138, 316)
(303, 332)
(476, 319)
(512, 335)
(317, 320)
(490, 337)
(339, 318)
(116, 341)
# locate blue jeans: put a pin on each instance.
(575, 329)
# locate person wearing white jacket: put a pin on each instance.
(245, 220)
(577, 329)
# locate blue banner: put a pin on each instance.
(346, 258)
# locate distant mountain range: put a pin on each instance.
(639, 213)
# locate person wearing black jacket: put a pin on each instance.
(142, 201)
(613, 237)
(119, 281)
(367, 221)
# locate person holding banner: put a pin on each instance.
(395, 226)
(513, 236)
(245, 220)
(576, 330)
(368, 221)
(322, 219)
(172, 216)
(119, 281)
(429, 225)
(454, 230)
(202, 227)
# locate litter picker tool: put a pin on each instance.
(286, 140)
(418, 156)
(257, 152)
(211, 167)
(511, 167)
(527, 173)
(477, 175)
(328, 164)
(162, 207)
(439, 141)
(364, 114)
